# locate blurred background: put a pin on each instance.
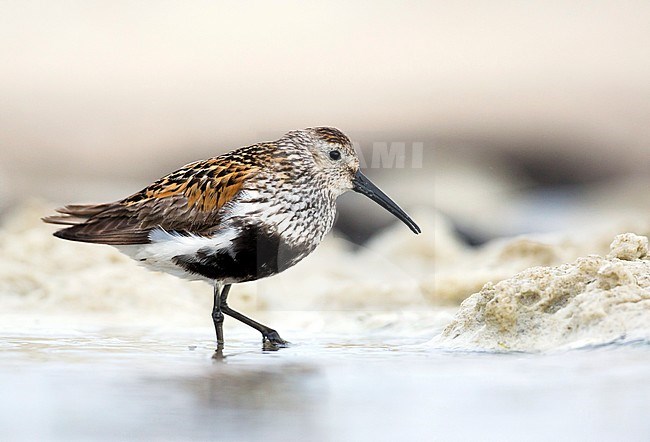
(529, 116)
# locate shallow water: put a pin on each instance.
(118, 383)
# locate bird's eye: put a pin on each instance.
(335, 155)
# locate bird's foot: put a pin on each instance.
(271, 340)
(218, 353)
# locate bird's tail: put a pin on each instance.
(107, 223)
(74, 214)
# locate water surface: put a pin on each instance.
(125, 383)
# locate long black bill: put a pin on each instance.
(364, 186)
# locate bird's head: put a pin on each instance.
(337, 163)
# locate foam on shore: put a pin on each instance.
(593, 301)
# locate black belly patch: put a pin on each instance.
(255, 253)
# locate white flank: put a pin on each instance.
(158, 255)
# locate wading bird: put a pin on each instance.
(244, 215)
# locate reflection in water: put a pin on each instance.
(228, 400)
(79, 387)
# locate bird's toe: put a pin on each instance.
(273, 341)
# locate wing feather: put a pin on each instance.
(187, 200)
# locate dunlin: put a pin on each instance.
(244, 215)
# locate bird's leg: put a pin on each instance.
(270, 338)
(217, 313)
